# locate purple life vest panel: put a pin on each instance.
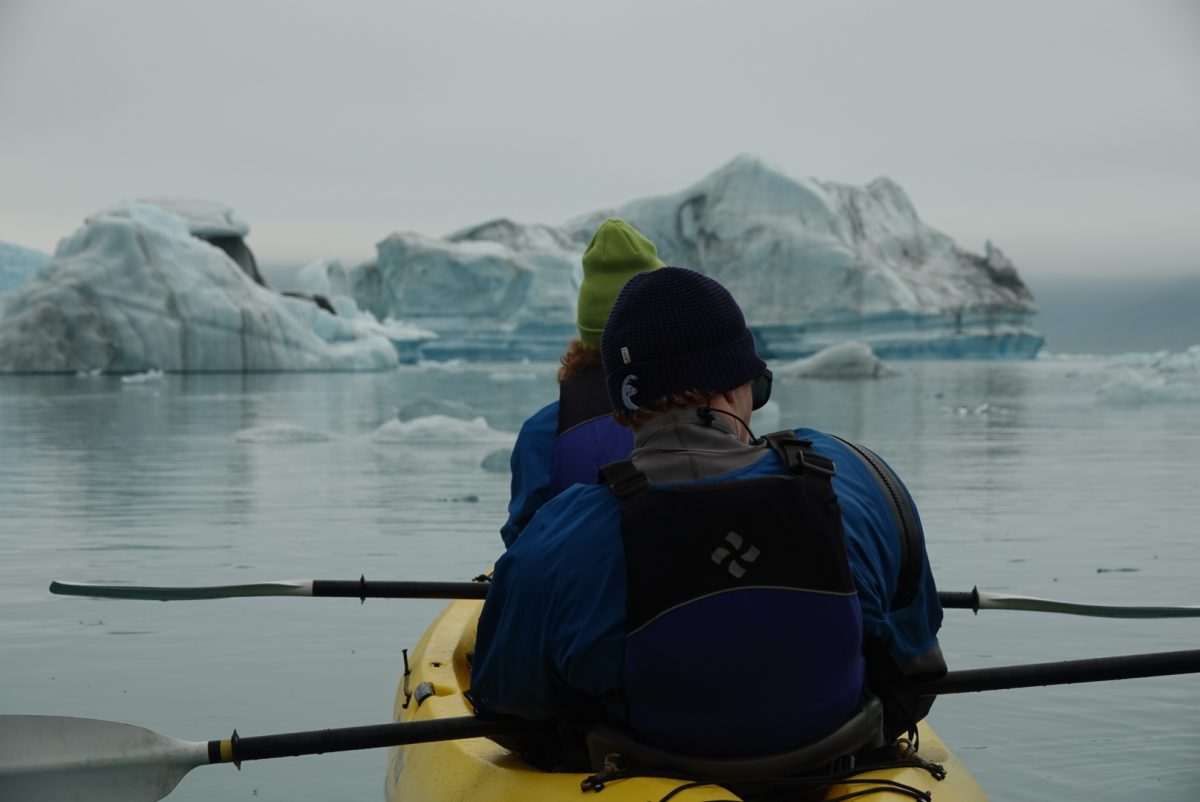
(587, 438)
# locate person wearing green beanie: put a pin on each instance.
(617, 253)
(568, 440)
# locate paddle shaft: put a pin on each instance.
(1100, 669)
(1067, 672)
(363, 589)
(374, 736)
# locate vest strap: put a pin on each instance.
(905, 517)
(622, 478)
(797, 455)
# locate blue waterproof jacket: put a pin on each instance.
(553, 630)
(565, 442)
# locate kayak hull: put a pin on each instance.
(480, 769)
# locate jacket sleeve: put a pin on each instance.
(873, 546)
(551, 634)
(531, 463)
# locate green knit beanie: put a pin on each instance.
(616, 254)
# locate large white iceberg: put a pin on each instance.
(813, 263)
(137, 289)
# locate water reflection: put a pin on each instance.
(1023, 482)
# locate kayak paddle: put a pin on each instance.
(63, 759)
(363, 589)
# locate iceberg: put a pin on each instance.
(500, 291)
(328, 285)
(812, 263)
(138, 289)
(18, 264)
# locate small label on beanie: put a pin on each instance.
(625, 358)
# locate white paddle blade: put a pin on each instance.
(1002, 601)
(64, 759)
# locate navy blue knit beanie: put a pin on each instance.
(671, 330)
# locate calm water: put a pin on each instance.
(1026, 483)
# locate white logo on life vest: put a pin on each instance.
(628, 391)
(735, 555)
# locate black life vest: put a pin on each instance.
(743, 628)
(587, 437)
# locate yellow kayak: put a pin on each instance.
(479, 769)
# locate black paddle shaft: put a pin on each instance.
(345, 739)
(364, 589)
(1097, 669)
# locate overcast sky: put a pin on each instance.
(1068, 132)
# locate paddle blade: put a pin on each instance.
(298, 587)
(64, 759)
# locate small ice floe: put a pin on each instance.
(449, 365)
(94, 373)
(280, 433)
(1160, 378)
(847, 360)
(512, 376)
(426, 407)
(964, 411)
(497, 461)
(152, 377)
(439, 429)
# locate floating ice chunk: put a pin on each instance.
(148, 377)
(427, 407)
(1163, 377)
(440, 429)
(978, 410)
(498, 461)
(849, 360)
(512, 376)
(280, 433)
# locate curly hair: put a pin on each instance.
(637, 418)
(577, 359)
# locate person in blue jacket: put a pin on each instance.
(715, 594)
(568, 440)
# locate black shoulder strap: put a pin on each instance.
(622, 478)
(582, 398)
(906, 523)
(797, 455)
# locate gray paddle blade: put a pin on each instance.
(64, 759)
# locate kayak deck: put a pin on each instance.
(480, 769)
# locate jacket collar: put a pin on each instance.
(680, 446)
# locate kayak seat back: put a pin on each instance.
(861, 732)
